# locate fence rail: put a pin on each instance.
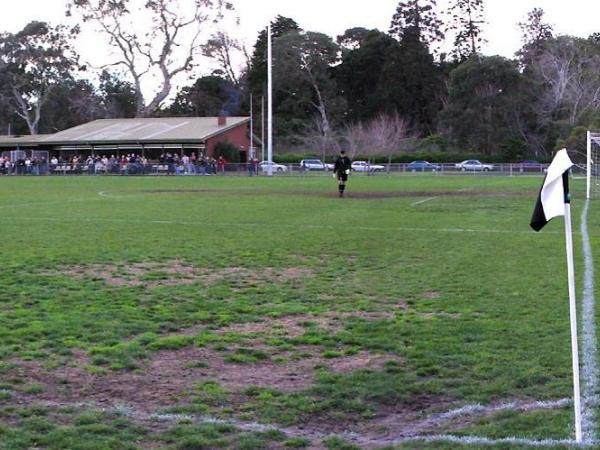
(65, 169)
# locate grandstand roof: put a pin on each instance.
(165, 129)
(144, 130)
(23, 140)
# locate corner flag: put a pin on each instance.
(554, 200)
(554, 193)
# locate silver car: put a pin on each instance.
(363, 166)
(313, 164)
(474, 165)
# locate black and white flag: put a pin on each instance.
(554, 193)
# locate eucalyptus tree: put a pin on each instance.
(155, 40)
(33, 62)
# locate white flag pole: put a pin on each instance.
(269, 103)
(251, 156)
(573, 309)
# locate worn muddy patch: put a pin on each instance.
(349, 194)
(296, 325)
(176, 272)
(375, 195)
(167, 377)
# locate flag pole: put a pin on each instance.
(573, 309)
(270, 101)
(251, 156)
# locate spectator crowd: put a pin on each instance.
(127, 164)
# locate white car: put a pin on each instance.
(264, 166)
(363, 166)
(474, 165)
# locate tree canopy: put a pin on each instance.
(329, 92)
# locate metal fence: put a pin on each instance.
(138, 169)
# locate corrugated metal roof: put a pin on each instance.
(23, 140)
(165, 129)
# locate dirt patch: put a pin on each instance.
(296, 325)
(169, 375)
(440, 314)
(177, 272)
(243, 277)
(375, 195)
(349, 194)
(149, 274)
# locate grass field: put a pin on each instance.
(256, 313)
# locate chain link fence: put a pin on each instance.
(42, 167)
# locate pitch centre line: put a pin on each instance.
(590, 362)
(263, 225)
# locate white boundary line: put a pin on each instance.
(478, 409)
(589, 352)
(266, 225)
(420, 202)
(131, 412)
(484, 441)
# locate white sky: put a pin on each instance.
(576, 17)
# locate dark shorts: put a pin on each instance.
(342, 176)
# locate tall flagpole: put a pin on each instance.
(573, 309)
(251, 129)
(270, 103)
(262, 126)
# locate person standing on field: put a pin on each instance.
(341, 170)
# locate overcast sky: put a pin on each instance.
(576, 17)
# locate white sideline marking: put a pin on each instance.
(476, 409)
(262, 225)
(590, 361)
(420, 202)
(129, 411)
(474, 440)
(58, 202)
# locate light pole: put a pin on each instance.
(270, 103)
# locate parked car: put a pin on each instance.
(363, 166)
(264, 166)
(474, 165)
(422, 166)
(529, 166)
(313, 164)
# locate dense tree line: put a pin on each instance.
(424, 85)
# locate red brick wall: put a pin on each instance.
(238, 136)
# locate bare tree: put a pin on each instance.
(354, 139)
(569, 69)
(319, 141)
(165, 49)
(385, 135)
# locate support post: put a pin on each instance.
(589, 165)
